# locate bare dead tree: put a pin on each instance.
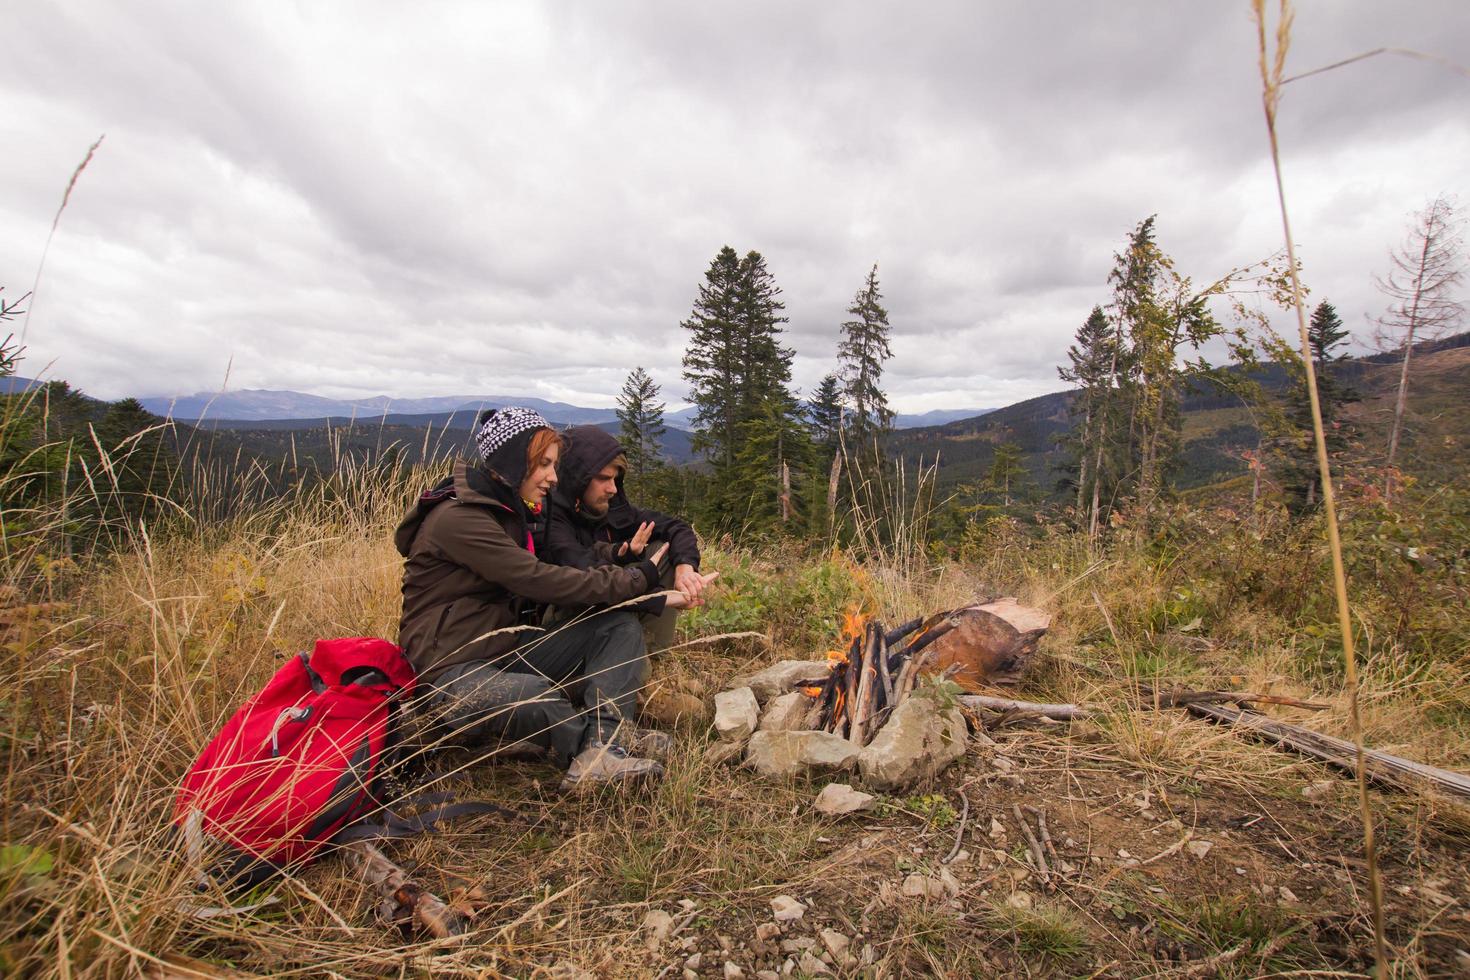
(1420, 286)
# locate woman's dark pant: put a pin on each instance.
(558, 690)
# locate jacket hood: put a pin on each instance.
(467, 484)
(589, 448)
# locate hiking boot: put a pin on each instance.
(605, 763)
(647, 742)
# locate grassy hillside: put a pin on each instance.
(1216, 427)
(118, 667)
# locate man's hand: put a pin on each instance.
(639, 541)
(688, 581)
(676, 599)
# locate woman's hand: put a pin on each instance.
(639, 541)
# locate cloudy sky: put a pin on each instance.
(354, 199)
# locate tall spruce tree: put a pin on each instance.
(1092, 359)
(641, 423)
(1325, 334)
(748, 423)
(714, 361)
(862, 351)
(826, 414)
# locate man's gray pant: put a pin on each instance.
(558, 690)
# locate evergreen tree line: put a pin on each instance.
(772, 460)
(75, 470)
(1134, 359)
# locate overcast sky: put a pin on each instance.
(355, 199)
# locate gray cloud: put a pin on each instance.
(366, 199)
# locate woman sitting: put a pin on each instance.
(473, 590)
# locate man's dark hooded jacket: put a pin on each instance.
(585, 541)
(469, 571)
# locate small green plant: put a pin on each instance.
(1045, 931)
(934, 808)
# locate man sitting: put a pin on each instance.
(591, 523)
(472, 587)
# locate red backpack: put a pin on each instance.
(300, 761)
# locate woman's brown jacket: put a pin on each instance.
(470, 570)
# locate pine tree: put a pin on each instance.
(826, 414)
(1006, 470)
(1092, 360)
(862, 351)
(641, 424)
(1302, 481)
(140, 463)
(767, 362)
(714, 361)
(748, 422)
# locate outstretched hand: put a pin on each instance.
(677, 599)
(639, 541)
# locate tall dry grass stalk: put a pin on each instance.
(1273, 71)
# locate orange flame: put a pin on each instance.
(853, 624)
(812, 692)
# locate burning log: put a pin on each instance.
(867, 668)
(991, 643)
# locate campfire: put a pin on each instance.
(872, 674)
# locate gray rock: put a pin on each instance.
(657, 924)
(918, 741)
(1199, 848)
(782, 677)
(784, 908)
(786, 755)
(788, 713)
(923, 886)
(723, 753)
(736, 714)
(836, 943)
(839, 799)
(732, 971)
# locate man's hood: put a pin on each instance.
(589, 448)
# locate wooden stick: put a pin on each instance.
(1388, 769)
(863, 706)
(959, 836)
(1051, 849)
(854, 671)
(1057, 712)
(403, 900)
(903, 630)
(1035, 847)
(886, 687)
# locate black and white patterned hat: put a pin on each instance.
(499, 426)
(504, 437)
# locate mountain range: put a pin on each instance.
(256, 404)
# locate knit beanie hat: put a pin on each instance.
(503, 435)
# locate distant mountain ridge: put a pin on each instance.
(284, 406)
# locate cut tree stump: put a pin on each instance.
(991, 643)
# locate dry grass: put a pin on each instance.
(118, 667)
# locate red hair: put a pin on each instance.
(541, 442)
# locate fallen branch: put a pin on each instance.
(959, 836)
(1056, 712)
(404, 902)
(1034, 846)
(1388, 769)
